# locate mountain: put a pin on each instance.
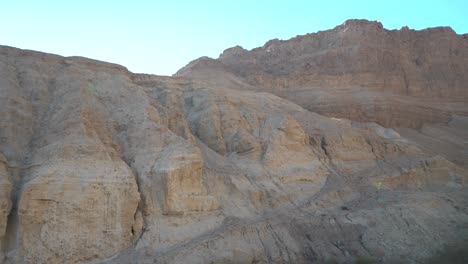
(359, 58)
(344, 144)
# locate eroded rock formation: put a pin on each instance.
(336, 145)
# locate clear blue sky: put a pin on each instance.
(160, 37)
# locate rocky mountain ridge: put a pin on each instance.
(303, 151)
(379, 70)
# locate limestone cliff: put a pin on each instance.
(394, 77)
(326, 147)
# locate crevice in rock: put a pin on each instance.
(372, 149)
(138, 227)
(405, 79)
(361, 242)
(139, 209)
(324, 146)
(338, 245)
(141, 205)
(10, 239)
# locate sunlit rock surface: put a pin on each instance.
(343, 144)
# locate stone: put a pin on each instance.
(181, 170)
(5, 200)
(340, 145)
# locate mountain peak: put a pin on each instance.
(234, 51)
(362, 23)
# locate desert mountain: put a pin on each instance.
(343, 144)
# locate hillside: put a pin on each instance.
(338, 145)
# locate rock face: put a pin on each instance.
(5, 202)
(397, 78)
(333, 146)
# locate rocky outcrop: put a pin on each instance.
(360, 53)
(228, 161)
(181, 172)
(393, 77)
(5, 202)
(98, 203)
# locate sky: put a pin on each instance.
(160, 37)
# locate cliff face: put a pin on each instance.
(229, 161)
(381, 72)
(425, 63)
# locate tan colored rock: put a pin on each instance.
(382, 73)
(228, 161)
(206, 123)
(181, 172)
(5, 200)
(284, 139)
(429, 172)
(66, 219)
